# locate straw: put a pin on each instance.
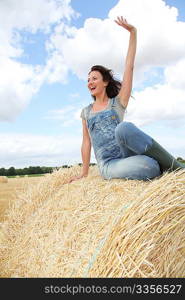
(95, 227)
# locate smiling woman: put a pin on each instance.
(121, 149)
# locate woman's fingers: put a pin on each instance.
(75, 178)
(121, 19)
(123, 22)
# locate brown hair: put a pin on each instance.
(113, 86)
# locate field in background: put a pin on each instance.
(30, 175)
(8, 191)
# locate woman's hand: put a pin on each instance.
(76, 178)
(123, 23)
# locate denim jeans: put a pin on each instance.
(119, 148)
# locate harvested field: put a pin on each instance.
(96, 228)
(3, 179)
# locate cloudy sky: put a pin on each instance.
(46, 50)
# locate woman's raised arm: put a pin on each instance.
(126, 88)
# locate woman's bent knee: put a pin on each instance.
(123, 131)
(124, 126)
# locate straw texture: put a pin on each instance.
(96, 228)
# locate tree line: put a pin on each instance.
(31, 170)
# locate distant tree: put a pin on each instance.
(38, 170)
(31, 170)
(3, 172)
(47, 170)
(28, 171)
(25, 171)
(11, 171)
(19, 171)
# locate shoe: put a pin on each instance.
(164, 158)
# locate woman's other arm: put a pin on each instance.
(85, 153)
(126, 88)
(85, 149)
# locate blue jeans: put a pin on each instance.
(133, 164)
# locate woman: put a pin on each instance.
(121, 149)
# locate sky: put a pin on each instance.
(46, 50)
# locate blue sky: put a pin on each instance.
(46, 50)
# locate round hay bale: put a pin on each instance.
(3, 179)
(96, 228)
(149, 239)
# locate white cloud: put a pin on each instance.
(22, 150)
(175, 75)
(157, 103)
(91, 45)
(160, 39)
(67, 116)
(18, 81)
(30, 16)
(55, 69)
(160, 35)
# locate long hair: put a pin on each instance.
(114, 86)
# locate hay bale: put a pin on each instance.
(149, 239)
(96, 228)
(3, 179)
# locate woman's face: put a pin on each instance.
(95, 84)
